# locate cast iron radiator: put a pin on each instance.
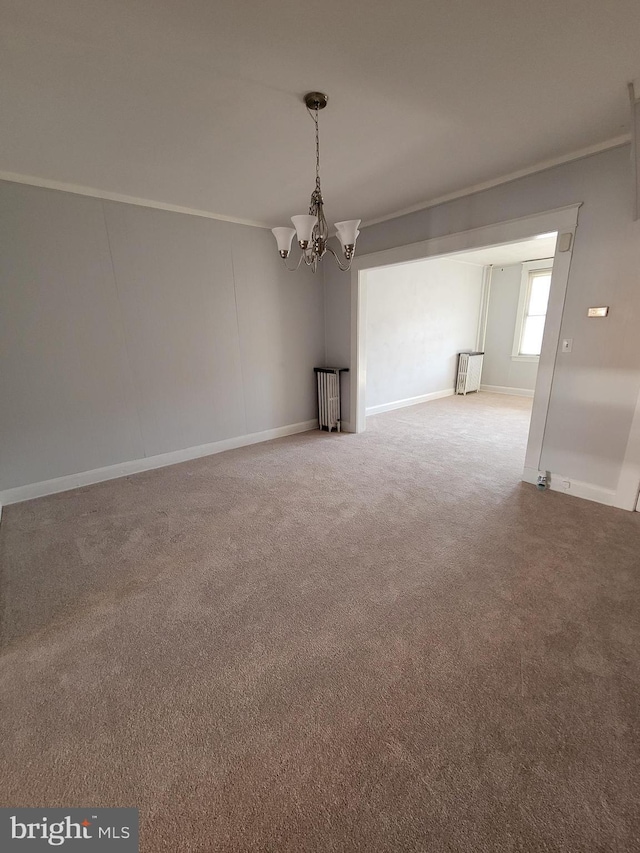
(328, 379)
(469, 372)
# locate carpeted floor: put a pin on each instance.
(373, 643)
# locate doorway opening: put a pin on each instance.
(466, 323)
(545, 282)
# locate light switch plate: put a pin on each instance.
(567, 344)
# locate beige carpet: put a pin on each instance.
(382, 642)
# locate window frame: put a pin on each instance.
(528, 267)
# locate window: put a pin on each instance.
(532, 310)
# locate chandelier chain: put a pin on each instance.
(314, 116)
(317, 151)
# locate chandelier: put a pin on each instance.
(312, 228)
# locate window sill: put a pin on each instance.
(531, 358)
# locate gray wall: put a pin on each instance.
(498, 366)
(127, 332)
(596, 386)
(419, 316)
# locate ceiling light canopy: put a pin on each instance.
(312, 229)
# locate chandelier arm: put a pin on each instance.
(338, 261)
(297, 266)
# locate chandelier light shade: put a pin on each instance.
(311, 229)
(284, 236)
(304, 225)
(348, 231)
(342, 242)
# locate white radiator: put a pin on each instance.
(328, 397)
(469, 372)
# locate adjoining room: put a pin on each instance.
(421, 316)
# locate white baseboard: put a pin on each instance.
(504, 389)
(135, 466)
(576, 488)
(410, 401)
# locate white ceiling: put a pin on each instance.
(197, 103)
(510, 253)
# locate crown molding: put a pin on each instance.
(77, 189)
(599, 147)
